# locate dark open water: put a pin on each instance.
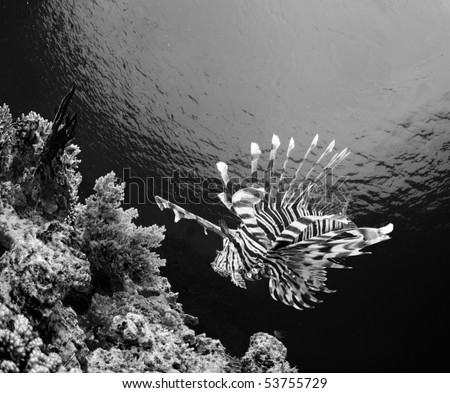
(183, 84)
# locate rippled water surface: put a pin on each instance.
(167, 85)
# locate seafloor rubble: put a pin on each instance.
(80, 288)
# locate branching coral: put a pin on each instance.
(119, 251)
(21, 349)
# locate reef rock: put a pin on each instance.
(38, 273)
(38, 269)
(266, 354)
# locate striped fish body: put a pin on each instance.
(288, 233)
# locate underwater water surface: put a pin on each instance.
(180, 85)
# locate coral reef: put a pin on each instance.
(80, 287)
(152, 331)
(266, 354)
(38, 165)
(38, 270)
(119, 251)
(21, 348)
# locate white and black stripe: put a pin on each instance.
(284, 236)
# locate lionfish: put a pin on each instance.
(288, 233)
